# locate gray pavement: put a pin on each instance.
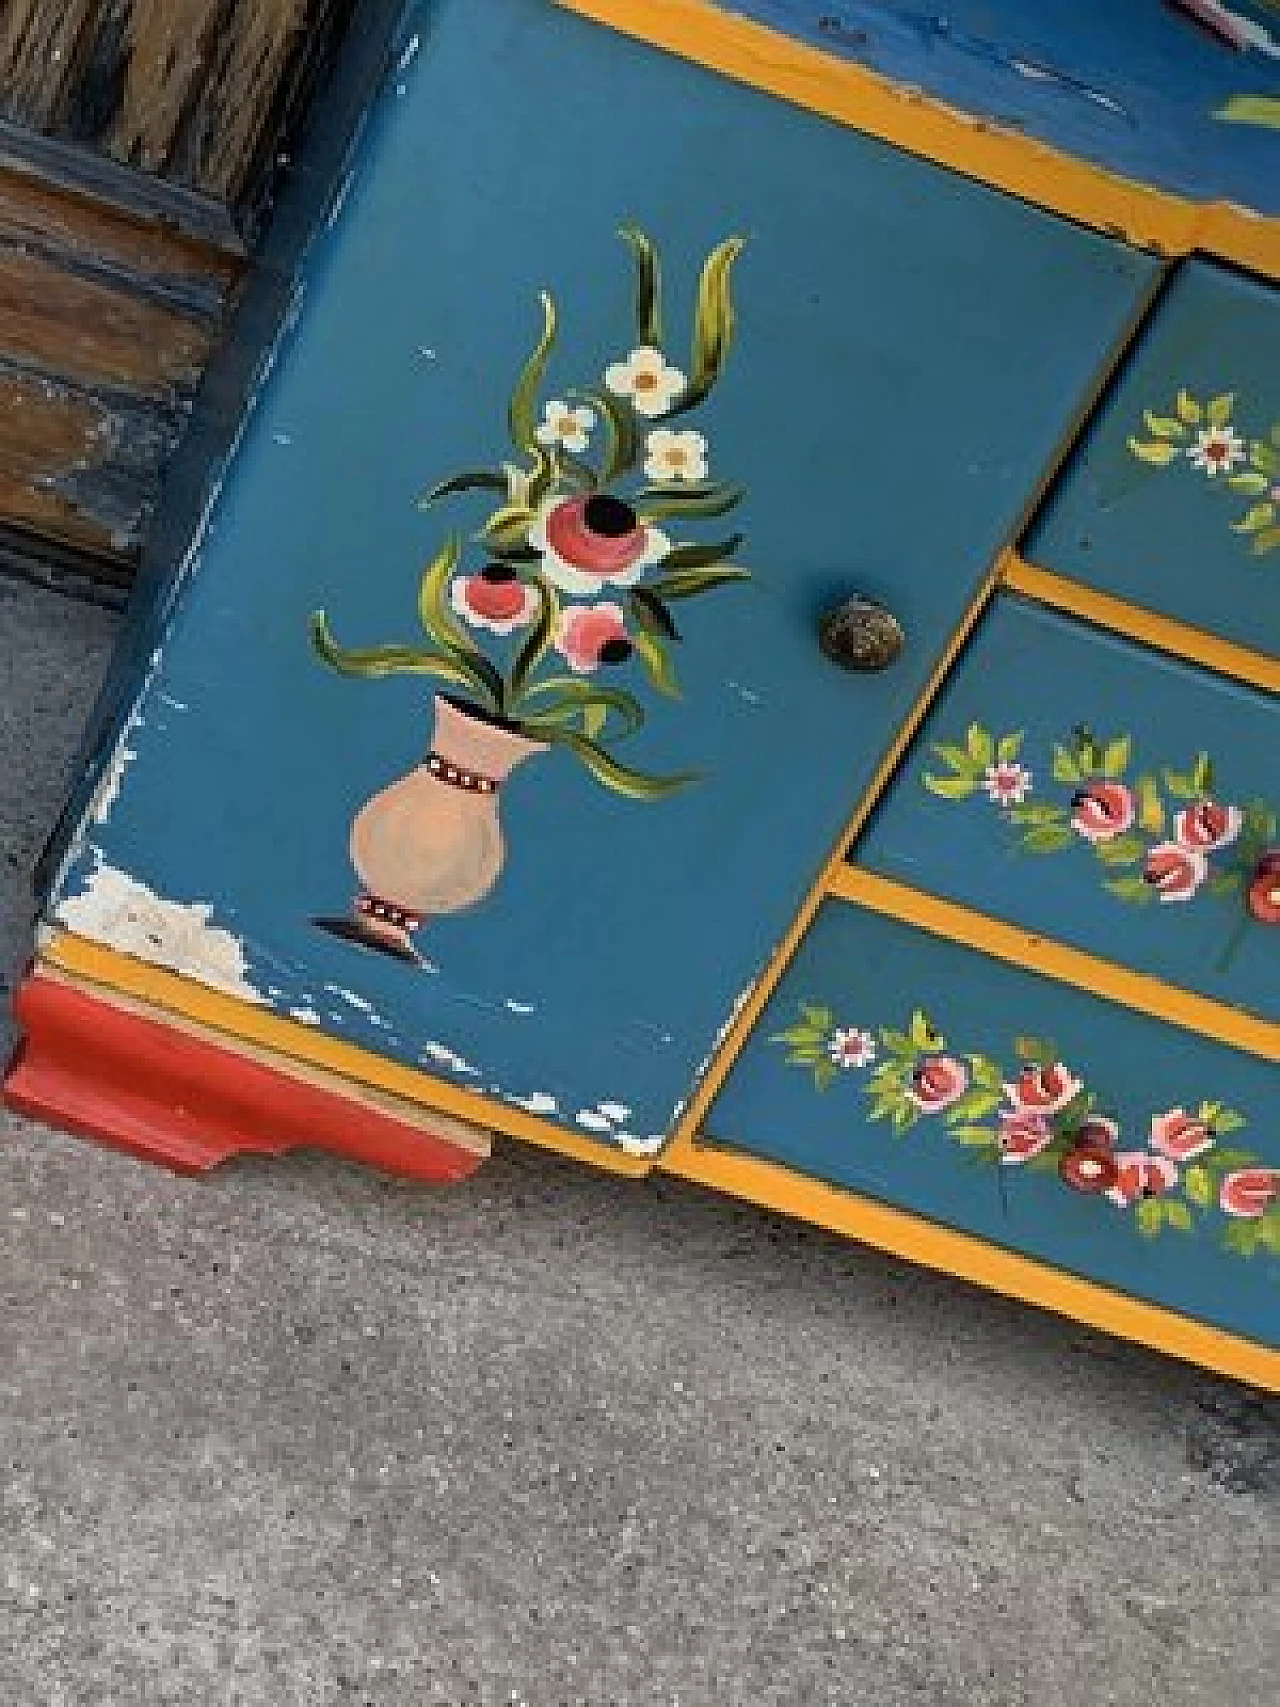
(299, 1435)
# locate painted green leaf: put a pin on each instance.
(985, 1072)
(816, 1014)
(798, 1036)
(622, 437)
(538, 642)
(507, 526)
(562, 699)
(1251, 483)
(1163, 426)
(957, 758)
(1157, 452)
(522, 413)
(648, 300)
(1176, 1214)
(975, 1136)
(371, 662)
(470, 480)
(1258, 516)
(1198, 1185)
(1115, 756)
(1066, 767)
(1179, 785)
(1264, 456)
(1150, 806)
(1009, 746)
(1219, 409)
(656, 503)
(1261, 110)
(713, 324)
(622, 779)
(1225, 882)
(922, 1032)
(1202, 775)
(1121, 850)
(898, 1043)
(1128, 888)
(1031, 1049)
(1226, 1122)
(1149, 1215)
(594, 718)
(1050, 838)
(701, 556)
(951, 787)
(689, 583)
(439, 621)
(973, 1105)
(1188, 409)
(652, 651)
(651, 614)
(1265, 541)
(1036, 812)
(982, 749)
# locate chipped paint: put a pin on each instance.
(594, 1121)
(537, 1102)
(518, 1007)
(634, 1146)
(118, 910)
(443, 1056)
(306, 1015)
(615, 1111)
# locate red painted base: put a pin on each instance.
(162, 1094)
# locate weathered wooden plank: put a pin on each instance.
(40, 50)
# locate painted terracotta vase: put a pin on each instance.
(431, 842)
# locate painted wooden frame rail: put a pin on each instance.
(919, 124)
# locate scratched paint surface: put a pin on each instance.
(1131, 85)
(911, 351)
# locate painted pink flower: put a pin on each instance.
(1250, 1192)
(1208, 826)
(590, 635)
(1264, 888)
(495, 599)
(1006, 783)
(1089, 1168)
(1180, 1135)
(849, 1047)
(594, 539)
(1043, 1090)
(937, 1082)
(1099, 1132)
(1101, 810)
(1141, 1175)
(1173, 871)
(1023, 1136)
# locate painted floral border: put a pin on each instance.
(1204, 436)
(1033, 1113)
(1157, 832)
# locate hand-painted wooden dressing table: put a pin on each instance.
(740, 637)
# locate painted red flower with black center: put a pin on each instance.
(495, 599)
(1102, 810)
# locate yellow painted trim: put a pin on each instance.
(960, 1254)
(922, 125)
(235, 1019)
(1088, 972)
(1164, 633)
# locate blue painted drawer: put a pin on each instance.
(989, 1101)
(907, 354)
(1102, 795)
(1172, 500)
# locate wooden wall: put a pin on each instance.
(139, 144)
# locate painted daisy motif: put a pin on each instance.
(1217, 450)
(647, 379)
(672, 456)
(1008, 784)
(495, 599)
(587, 636)
(566, 424)
(590, 541)
(850, 1047)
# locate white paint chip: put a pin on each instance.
(443, 1056)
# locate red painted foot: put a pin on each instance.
(140, 1085)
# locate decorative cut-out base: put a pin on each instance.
(162, 1093)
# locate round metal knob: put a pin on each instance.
(860, 635)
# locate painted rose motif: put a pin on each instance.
(937, 1082)
(1043, 1089)
(675, 455)
(1173, 871)
(1264, 888)
(495, 599)
(565, 424)
(1045, 1122)
(1180, 1136)
(1203, 437)
(647, 380)
(588, 542)
(1101, 811)
(1208, 826)
(590, 635)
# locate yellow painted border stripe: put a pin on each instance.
(922, 125)
(960, 1254)
(1027, 950)
(169, 993)
(1179, 639)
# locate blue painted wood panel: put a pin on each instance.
(1170, 1125)
(1170, 502)
(1054, 784)
(1136, 88)
(878, 300)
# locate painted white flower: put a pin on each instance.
(1217, 450)
(647, 379)
(1006, 783)
(675, 456)
(592, 541)
(566, 424)
(850, 1047)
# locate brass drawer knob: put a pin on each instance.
(860, 635)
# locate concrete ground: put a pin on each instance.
(299, 1435)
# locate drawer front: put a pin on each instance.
(993, 1102)
(909, 352)
(1101, 795)
(1172, 500)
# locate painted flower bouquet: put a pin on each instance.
(1203, 436)
(576, 570)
